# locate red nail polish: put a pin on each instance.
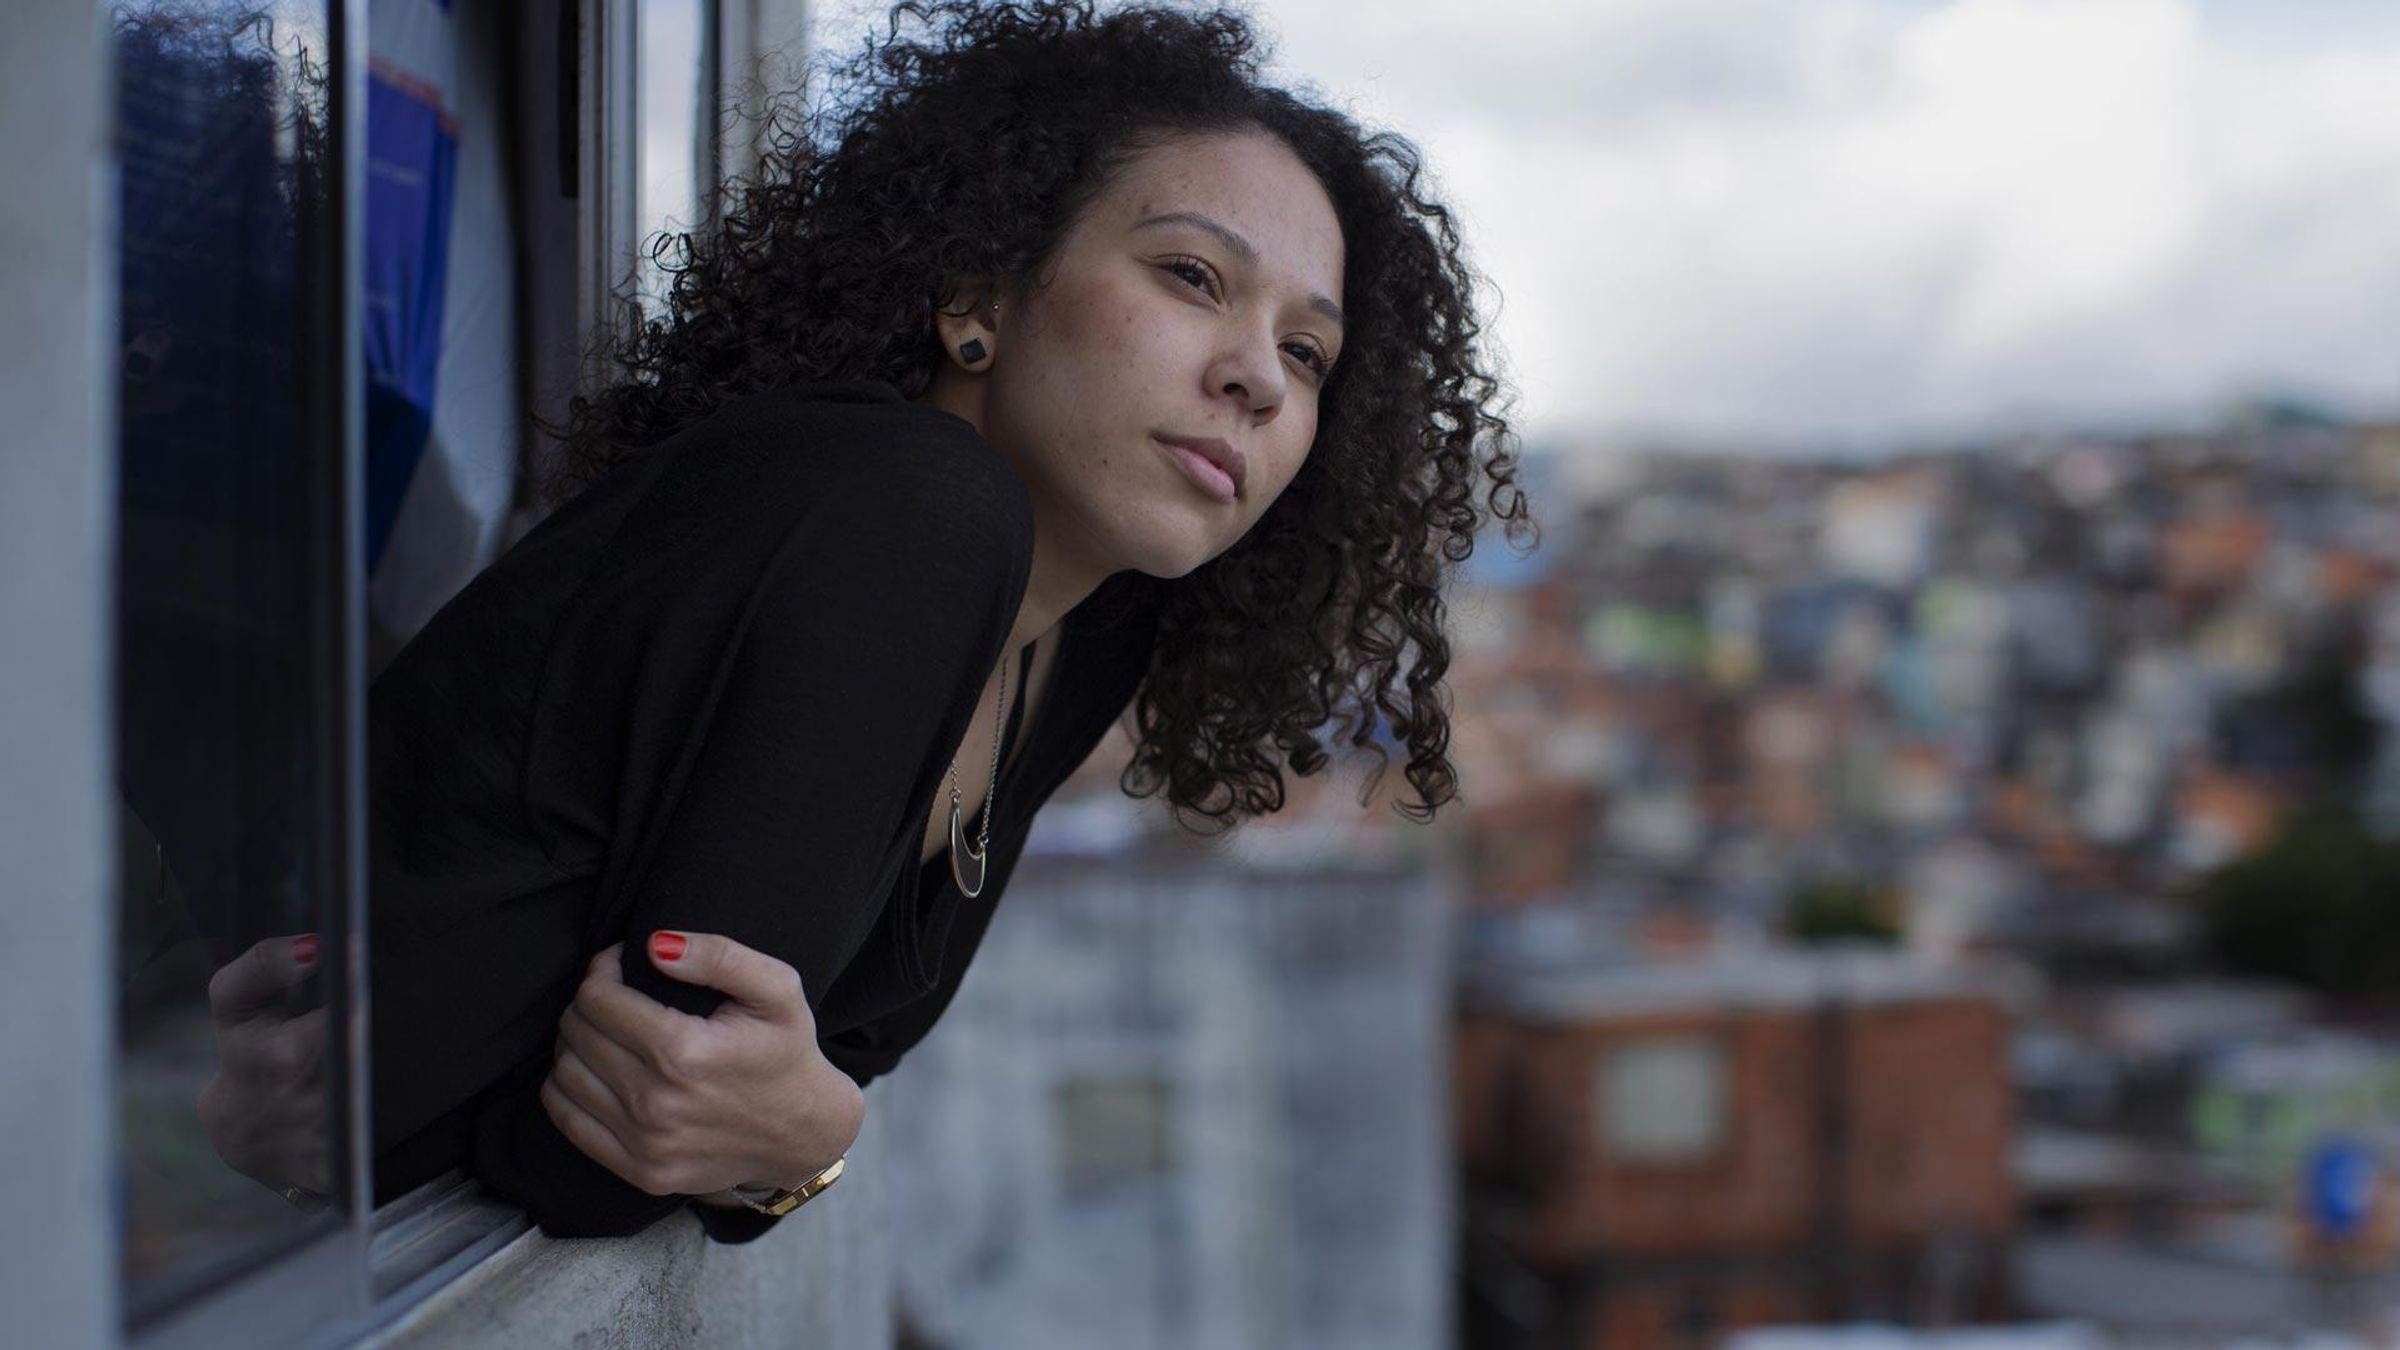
(667, 946)
(304, 948)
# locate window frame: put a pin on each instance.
(289, 1294)
(366, 1271)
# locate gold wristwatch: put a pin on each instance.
(768, 1200)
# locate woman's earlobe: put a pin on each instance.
(974, 352)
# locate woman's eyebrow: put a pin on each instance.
(1235, 244)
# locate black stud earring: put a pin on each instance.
(971, 350)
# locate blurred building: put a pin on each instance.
(2108, 665)
(2259, 1107)
(1657, 1154)
(1186, 1103)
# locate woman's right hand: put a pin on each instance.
(683, 1105)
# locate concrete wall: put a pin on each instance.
(58, 1260)
(822, 1277)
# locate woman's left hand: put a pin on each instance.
(683, 1105)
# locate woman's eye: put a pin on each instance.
(1194, 273)
(1310, 357)
(1201, 277)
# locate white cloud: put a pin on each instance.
(1858, 221)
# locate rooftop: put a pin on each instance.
(1774, 977)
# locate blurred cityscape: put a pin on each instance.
(1951, 899)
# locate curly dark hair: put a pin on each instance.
(959, 144)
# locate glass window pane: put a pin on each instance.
(675, 93)
(225, 647)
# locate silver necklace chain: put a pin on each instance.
(982, 846)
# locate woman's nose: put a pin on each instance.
(1250, 374)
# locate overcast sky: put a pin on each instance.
(1856, 223)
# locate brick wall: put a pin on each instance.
(1857, 1164)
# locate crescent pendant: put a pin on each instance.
(960, 849)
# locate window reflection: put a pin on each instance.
(224, 646)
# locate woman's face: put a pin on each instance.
(1158, 389)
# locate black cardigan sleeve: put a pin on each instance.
(800, 780)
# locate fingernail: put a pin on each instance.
(304, 948)
(666, 946)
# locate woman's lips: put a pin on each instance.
(1198, 467)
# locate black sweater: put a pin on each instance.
(718, 692)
